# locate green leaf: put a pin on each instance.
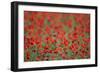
(25, 32)
(78, 57)
(43, 44)
(47, 54)
(66, 28)
(69, 53)
(59, 57)
(62, 20)
(87, 35)
(28, 22)
(53, 46)
(62, 45)
(46, 22)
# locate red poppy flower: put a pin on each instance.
(37, 58)
(53, 40)
(75, 36)
(69, 23)
(87, 29)
(46, 47)
(28, 55)
(40, 22)
(53, 57)
(79, 18)
(74, 47)
(84, 46)
(48, 29)
(58, 50)
(34, 51)
(63, 56)
(86, 40)
(55, 51)
(66, 42)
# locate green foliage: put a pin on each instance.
(69, 53)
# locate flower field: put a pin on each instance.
(56, 36)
